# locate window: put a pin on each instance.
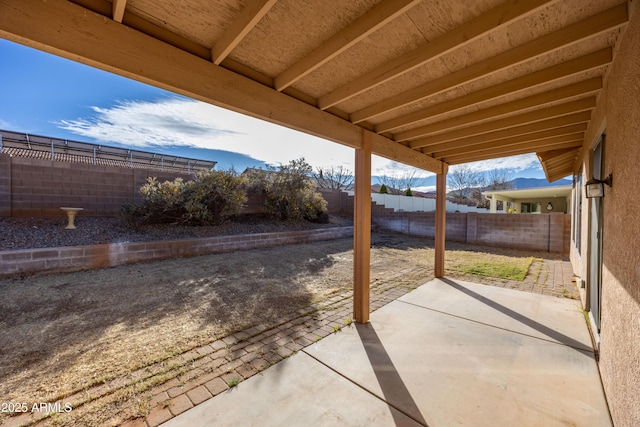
(577, 210)
(529, 207)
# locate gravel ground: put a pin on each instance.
(29, 233)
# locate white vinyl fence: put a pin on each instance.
(417, 204)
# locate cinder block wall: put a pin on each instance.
(36, 187)
(543, 232)
(5, 185)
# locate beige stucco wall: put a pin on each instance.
(618, 113)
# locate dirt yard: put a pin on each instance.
(65, 333)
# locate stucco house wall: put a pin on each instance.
(618, 115)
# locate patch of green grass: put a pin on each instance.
(348, 322)
(234, 382)
(508, 268)
(337, 328)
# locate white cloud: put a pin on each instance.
(5, 125)
(183, 122)
(178, 121)
(425, 189)
(514, 163)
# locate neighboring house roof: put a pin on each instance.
(18, 144)
(530, 193)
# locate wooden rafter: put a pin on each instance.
(510, 132)
(559, 162)
(576, 89)
(65, 29)
(117, 9)
(520, 119)
(501, 15)
(380, 15)
(252, 13)
(612, 18)
(578, 65)
(510, 141)
(558, 142)
(550, 155)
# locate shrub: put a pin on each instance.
(408, 193)
(289, 192)
(208, 199)
(383, 189)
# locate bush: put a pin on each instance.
(408, 193)
(383, 189)
(208, 199)
(289, 192)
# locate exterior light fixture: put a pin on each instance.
(549, 206)
(595, 187)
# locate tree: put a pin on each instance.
(400, 180)
(334, 178)
(408, 193)
(463, 179)
(383, 189)
(289, 192)
(499, 179)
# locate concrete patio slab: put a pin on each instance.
(449, 353)
(554, 319)
(298, 391)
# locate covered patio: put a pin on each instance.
(426, 83)
(448, 353)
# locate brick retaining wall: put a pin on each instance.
(77, 258)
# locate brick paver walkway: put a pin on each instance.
(173, 386)
(548, 277)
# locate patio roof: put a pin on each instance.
(438, 83)
(531, 193)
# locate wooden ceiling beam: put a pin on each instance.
(252, 13)
(515, 140)
(605, 21)
(556, 72)
(501, 15)
(117, 9)
(575, 89)
(131, 20)
(558, 142)
(71, 31)
(560, 171)
(548, 155)
(561, 161)
(520, 119)
(510, 132)
(371, 21)
(391, 150)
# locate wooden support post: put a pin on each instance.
(441, 211)
(362, 230)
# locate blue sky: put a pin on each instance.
(51, 96)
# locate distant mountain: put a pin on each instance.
(520, 183)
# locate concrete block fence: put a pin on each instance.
(548, 232)
(77, 258)
(38, 188)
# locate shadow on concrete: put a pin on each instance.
(551, 333)
(395, 391)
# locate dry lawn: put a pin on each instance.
(64, 333)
